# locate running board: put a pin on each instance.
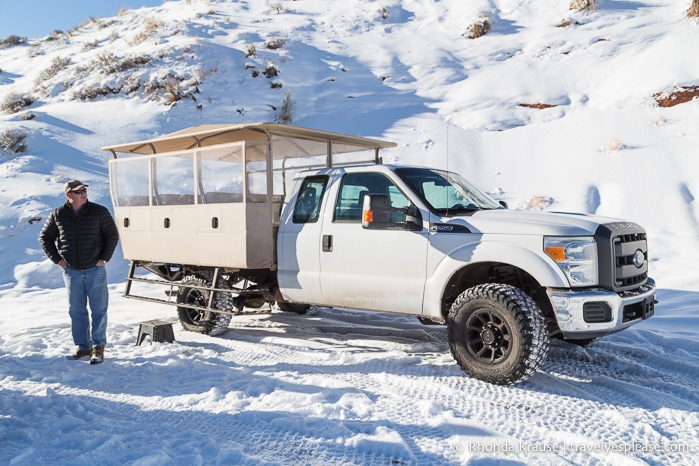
(172, 292)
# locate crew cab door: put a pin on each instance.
(299, 242)
(377, 269)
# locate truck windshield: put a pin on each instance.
(445, 192)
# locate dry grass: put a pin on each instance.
(480, 27)
(693, 11)
(611, 147)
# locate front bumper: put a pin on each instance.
(597, 312)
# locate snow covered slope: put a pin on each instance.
(552, 109)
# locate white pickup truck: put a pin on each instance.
(236, 217)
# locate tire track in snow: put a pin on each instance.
(338, 388)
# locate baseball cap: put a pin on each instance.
(74, 185)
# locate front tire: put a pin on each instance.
(497, 334)
(200, 321)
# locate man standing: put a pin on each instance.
(80, 237)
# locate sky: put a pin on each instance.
(38, 18)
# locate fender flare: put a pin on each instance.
(537, 264)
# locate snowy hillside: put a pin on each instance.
(551, 109)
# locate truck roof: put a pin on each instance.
(213, 134)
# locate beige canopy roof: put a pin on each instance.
(208, 135)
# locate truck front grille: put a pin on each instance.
(623, 256)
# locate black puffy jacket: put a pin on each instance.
(80, 240)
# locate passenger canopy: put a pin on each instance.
(212, 195)
(288, 141)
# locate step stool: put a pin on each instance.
(158, 330)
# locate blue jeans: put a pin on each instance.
(85, 286)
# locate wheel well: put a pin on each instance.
(498, 272)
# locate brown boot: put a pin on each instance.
(97, 355)
(79, 354)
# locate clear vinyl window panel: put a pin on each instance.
(173, 179)
(221, 175)
(130, 181)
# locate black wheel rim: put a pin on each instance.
(195, 297)
(488, 336)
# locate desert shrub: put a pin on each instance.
(109, 63)
(274, 43)
(57, 65)
(91, 93)
(151, 25)
(12, 40)
(90, 45)
(12, 140)
(567, 22)
(270, 71)
(693, 11)
(285, 114)
(275, 7)
(14, 103)
(611, 147)
(480, 27)
(173, 91)
(250, 50)
(583, 5)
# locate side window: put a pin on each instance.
(355, 186)
(307, 208)
(174, 179)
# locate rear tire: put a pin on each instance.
(200, 321)
(497, 334)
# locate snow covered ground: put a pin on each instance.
(347, 387)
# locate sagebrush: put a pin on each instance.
(480, 27)
(12, 140)
(583, 5)
(57, 65)
(12, 40)
(14, 103)
(285, 114)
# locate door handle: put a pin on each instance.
(327, 243)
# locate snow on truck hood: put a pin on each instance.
(527, 222)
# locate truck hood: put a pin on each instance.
(528, 222)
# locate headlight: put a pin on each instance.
(576, 256)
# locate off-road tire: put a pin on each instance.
(195, 320)
(497, 334)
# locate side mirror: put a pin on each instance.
(504, 204)
(377, 214)
(376, 211)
